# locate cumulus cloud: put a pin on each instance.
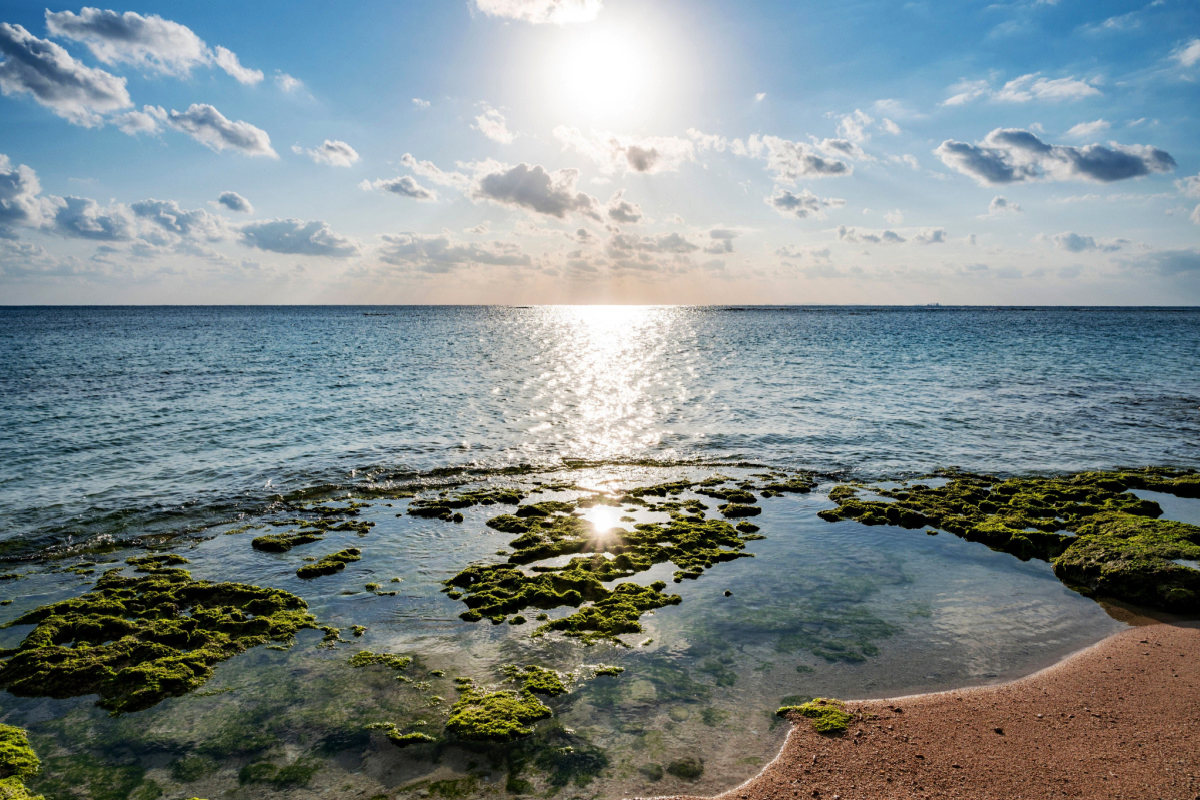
(1001, 205)
(332, 152)
(84, 218)
(550, 193)
(63, 84)
(440, 254)
(931, 236)
(150, 43)
(168, 216)
(235, 202)
(1188, 55)
(1074, 243)
(297, 237)
(612, 152)
(421, 104)
(1011, 155)
(491, 123)
(1086, 130)
(405, 186)
(1189, 186)
(802, 205)
(1024, 89)
(149, 120)
(622, 245)
(21, 200)
(721, 240)
(227, 60)
(789, 161)
(559, 12)
(857, 126)
(623, 211)
(435, 174)
(211, 128)
(857, 236)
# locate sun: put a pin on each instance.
(608, 74)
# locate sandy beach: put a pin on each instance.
(1117, 720)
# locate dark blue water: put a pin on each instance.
(118, 418)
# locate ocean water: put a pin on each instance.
(175, 426)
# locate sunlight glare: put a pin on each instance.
(607, 73)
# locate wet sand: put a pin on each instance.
(1120, 719)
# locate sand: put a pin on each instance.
(1120, 719)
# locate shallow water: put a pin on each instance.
(128, 424)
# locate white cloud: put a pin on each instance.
(721, 240)
(623, 211)
(150, 43)
(1032, 87)
(440, 254)
(333, 152)
(1000, 206)
(534, 188)
(1024, 89)
(894, 217)
(288, 83)
(1195, 215)
(84, 218)
(491, 123)
(1074, 243)
(235, 202)
(758, 98)
(854, 126)
(802, 205)
(432, 172)
(63, 84)
(421, 104)
(890, 237)
(1086, 130)
(622, 245)
(21, 200)
(297, 237)
(1011, 155)
(1190, 185)
(149, 120)
(558, 12)
(211, 128)
(790, 161)
(228, 61)
(405, 186)
(1188, 55)
(186, 224)
(613, 152)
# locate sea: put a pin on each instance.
(128, 427)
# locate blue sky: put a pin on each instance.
(542, 151)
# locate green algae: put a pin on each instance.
(283, 542)
(739, 510)
(688, 769)
(327, 565)
(296, 774)
(498, 716)
(538, 680)
(18, 762)
(1100, 537)
(365, 658)
(155, 563)
(135, 641)
(444, 506)
(829, 716)
(396, 737)
(616, 614)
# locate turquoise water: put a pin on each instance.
(139, 426)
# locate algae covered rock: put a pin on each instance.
(137, 640)
(17, 762)
(327, 565)
(1102, 538)
(499, 716)
(828, 716)
(282, 542)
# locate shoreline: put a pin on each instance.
(1114, 719)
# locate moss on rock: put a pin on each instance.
(499, 716)
(327, 565)
(17, 762)
(828, 716)
(283, 542)
(137, 640)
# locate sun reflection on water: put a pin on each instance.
(605, 369)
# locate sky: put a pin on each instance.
(601, 151)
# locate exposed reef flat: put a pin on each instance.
(1102, 539)
(1114, 720)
